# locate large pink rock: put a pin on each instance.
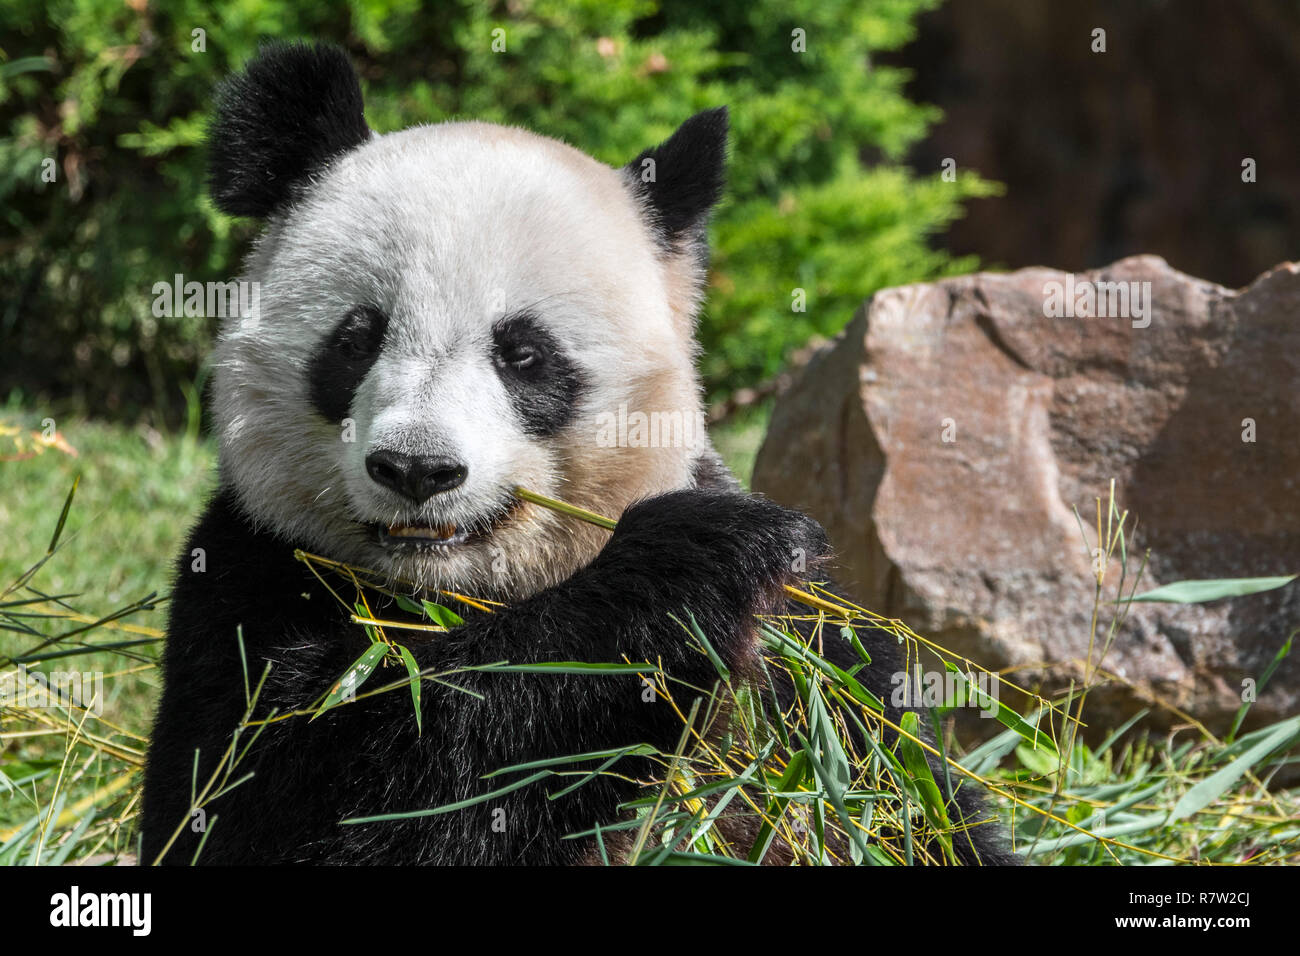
(947, 436)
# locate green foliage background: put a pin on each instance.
(117, 95)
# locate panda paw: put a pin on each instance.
(731, 552)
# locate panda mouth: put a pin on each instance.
(438, 536)
(405, 536)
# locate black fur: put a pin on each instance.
(344, 358)
(723, 555)
(689, 175)
(544, 389)
(293, 109)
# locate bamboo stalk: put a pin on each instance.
(563, 507)
(400, 625)
(573, 511)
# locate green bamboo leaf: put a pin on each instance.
(443, 615)
(574, 667)
(1039, 761)
(988, 755)
(61, 855)
(856, 690)
(1213, 786)
(459, 805)
(1151, 822)
(586, 777)
(364, 612)
(878, 857)
(1196, 592)
(919, 769)
(842, 679)
(835, 794)
(681, 858)
(634, 749)
(413, 669)
(353, 677)
(795, 771)
(723, 671)
(1006, 716)
(851, 636)
(1282, 653)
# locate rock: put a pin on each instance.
(947, 436)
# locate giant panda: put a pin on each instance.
(444, 313)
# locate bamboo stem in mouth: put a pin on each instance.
(563, 507)
(573, 511)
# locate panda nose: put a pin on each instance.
(415, 476)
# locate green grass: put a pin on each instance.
(138, 494)
(140, 491)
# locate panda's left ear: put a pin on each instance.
(294, 108)
(681, 180)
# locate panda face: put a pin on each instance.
(447, 313)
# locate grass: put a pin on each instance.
(140, 491)
(137, 493)
(69, 779)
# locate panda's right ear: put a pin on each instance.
(294, 108)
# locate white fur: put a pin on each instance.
(448, 228)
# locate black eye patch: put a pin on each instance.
(344, 358)
(543, 384)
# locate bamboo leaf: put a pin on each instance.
(574, 667)
(1213, 786)
(1264, 678)
(1196, 592)
(353, 677)
(413, 669)
(459, 805)
(922, 776)
(443, 615)
(1006, 716)
(723, 671)
(638, 749)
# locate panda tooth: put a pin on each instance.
(441, 532)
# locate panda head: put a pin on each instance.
(445, 313)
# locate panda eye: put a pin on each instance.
(517, 347)
(361, 332)
(541, 381)
(520, 356)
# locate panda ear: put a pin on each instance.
(681, 180)
(293, 109)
